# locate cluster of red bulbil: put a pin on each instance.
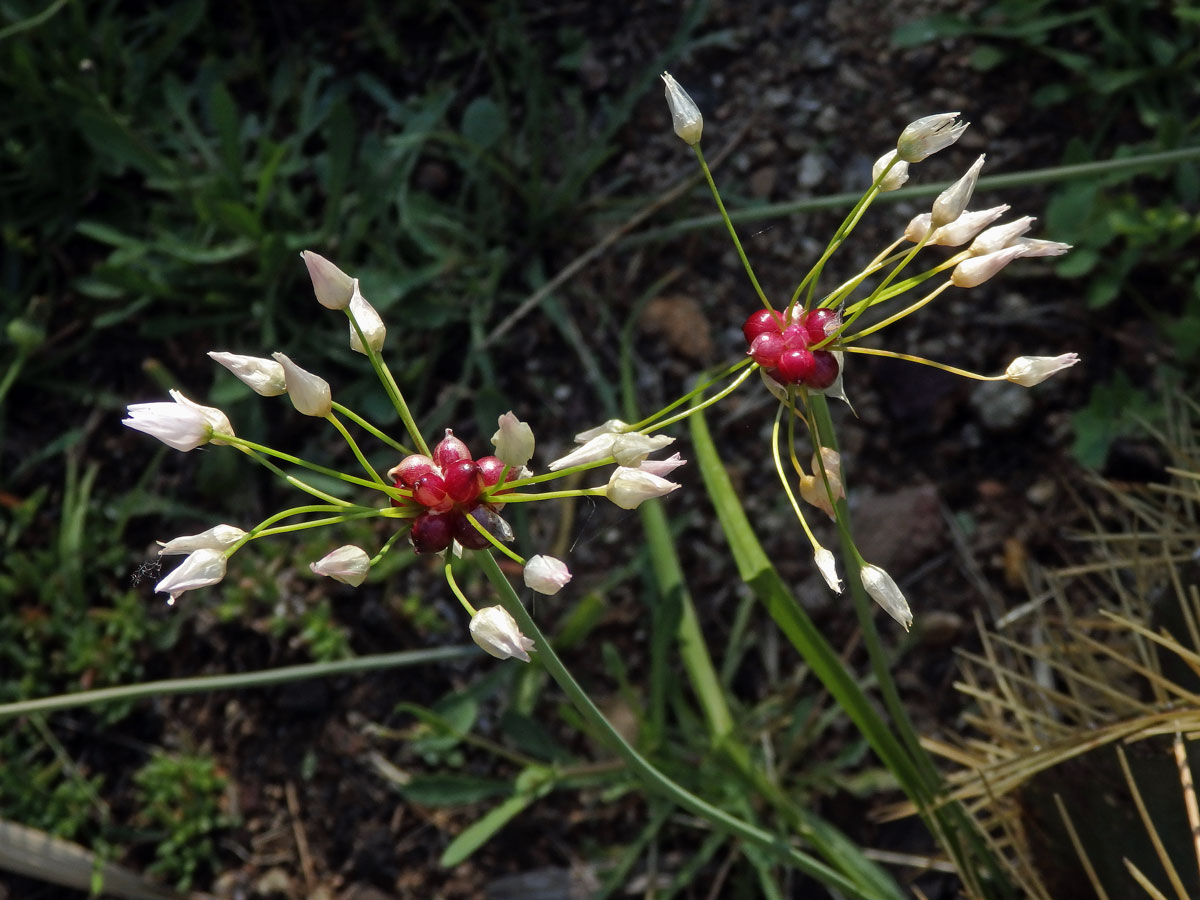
(784, 349)
(449, 484)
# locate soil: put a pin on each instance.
(953, 485)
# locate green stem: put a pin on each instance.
(293, 480)
(732, 231)
(358, 454)
(303, 463)
(371, 429)
(654, 779)
(393, 390)
(172, 686)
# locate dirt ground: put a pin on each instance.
(953, 484)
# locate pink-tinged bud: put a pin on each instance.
(632, 449)
(598, 448)
(1030, 370)
(612, 426)
(685, 115)
(368, 320)
(966, 226)
(896, 176)
(183, 424)
(513, 440)
(975, 271)
(1036, 247)
(309, 393)
(263, 376)
(827, 566)
(219, 537)
(333, 287)
(546, 575)
(951, 202)
(918, 228)
(629, 488)
(925, 137)
(1000, 236)
(493, 629)
(886, 593)
(662, 467)
(450, 449)
(412, 467)
(348, 564)
(201, 568)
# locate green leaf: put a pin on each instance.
(483, 122)
(1104, 418)
(922, 31)
(452, 790)
(224, 113)
(479, 833)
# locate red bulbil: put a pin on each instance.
(431, 533)
(430, 492)
(464, 481)
(766, 348)
(466, 533)
(760, 322)
(825, 370)
(491, 467)
(450, 449)
(820, 322)
(410, 469)
(795, 366)
(795, 337)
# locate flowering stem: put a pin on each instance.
(697, 391)
(457, 591)
(494, 541)
(367, 426)
(362, 460)
(653, 778)
(553, 495)
(783, 479)
(293, 480)
(297, 461)
(895, 317)
(732, 231)
(725, 392)
(387, 546)
(870, 351)
(839, 236)
(393, 390)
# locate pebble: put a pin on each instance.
(1001, 406)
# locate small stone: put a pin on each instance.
(1041, 492)
(1000, 405)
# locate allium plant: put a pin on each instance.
(443, 500)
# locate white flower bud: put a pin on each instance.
(827, 566)
(368, 320)
(493, 629)
(896, 176)
(201, 568)
(219, 537)
(886, 593)
(918, 227)
(309, 393)
(612, 426)
(263, 376)
(631, 449)
(685, 115)
(1000, 236)
(183, 424)
(1036, 247)
(333, 287)
(546, 575)
(629, 488)
(812, 487)
(927, 136)
(598, 448)
(348, 564)
(975, 271)
(1030, 370)
(513, 441)
(953, 200)
(966, 226)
